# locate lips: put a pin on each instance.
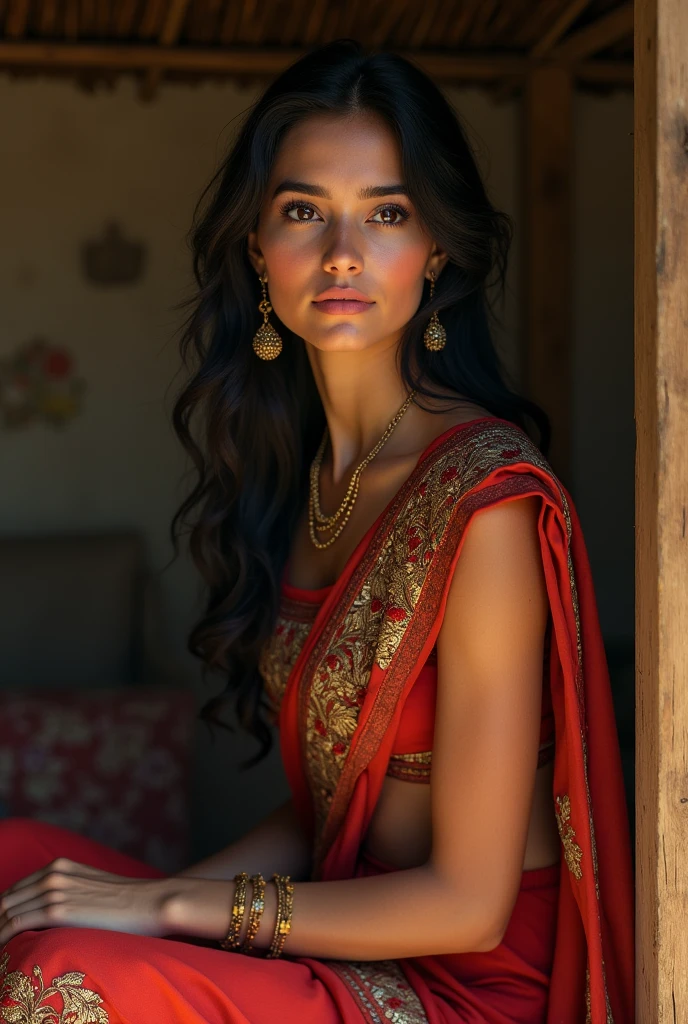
(342, 293)
(339, 306)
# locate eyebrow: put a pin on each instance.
(368, 192)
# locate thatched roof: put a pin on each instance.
(470, 41)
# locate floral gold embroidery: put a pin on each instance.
(279, 654)
(572, 851)
(381, 990)
(409, 555)
(25, 1001)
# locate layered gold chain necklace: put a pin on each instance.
(318, 522)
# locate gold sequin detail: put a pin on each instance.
(384, 594)
(279, 654)
(381, 991)
(411, 767)
(572, 851)
(25, 1001)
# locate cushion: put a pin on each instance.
(110, 764)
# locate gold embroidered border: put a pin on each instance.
(381, 991)
(572, 851)
(410, 552)
(23, 1001)
(411, 767)
(387, 582)
(407, 654)
(294, 622)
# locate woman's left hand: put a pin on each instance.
(66, 893)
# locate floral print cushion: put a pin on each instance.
(113, 765)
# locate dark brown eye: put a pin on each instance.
(392, 216)
(300, 208)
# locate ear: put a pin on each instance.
(254, 253)
(436, 261)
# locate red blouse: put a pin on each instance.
(411, 756)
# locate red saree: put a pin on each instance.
(567, 956)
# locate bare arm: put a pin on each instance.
(276, 844)
(484, 763)
(483, 775)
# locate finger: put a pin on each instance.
(50, 881)
(62, 866)
(45, 911)
(11, 903)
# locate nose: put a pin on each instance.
(342, 255)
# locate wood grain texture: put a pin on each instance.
(173, 23)
(447, 32)
(661, 370)
(603, 32)
(16, 19)
(556, 30)
(547, 247)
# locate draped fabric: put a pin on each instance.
(567, 955)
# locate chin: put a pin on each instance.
(337, 340)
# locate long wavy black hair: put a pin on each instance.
(252, 427)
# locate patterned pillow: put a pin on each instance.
(110, 764)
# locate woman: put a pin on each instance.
(397, 577)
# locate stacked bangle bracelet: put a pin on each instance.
(285, 905)
(231, 940)
(255, 913)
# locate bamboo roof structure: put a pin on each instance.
(492, 43)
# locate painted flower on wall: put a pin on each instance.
(38, 382)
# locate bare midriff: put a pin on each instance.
(400, 832)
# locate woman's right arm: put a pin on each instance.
(276, 845)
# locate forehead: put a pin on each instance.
(329, 150)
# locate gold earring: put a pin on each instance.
(267, 343)
(434, 336)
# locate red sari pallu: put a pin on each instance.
(340, 676)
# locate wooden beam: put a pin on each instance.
(47, 17)
(71, 21)
(124, 17)
(218, 60)
(169, 35)
(661, 413)
(151, 19)
(314, 21)
(427, 13)
(603, 32)
(556, 31)
(17, 19)
(547, 252)
(448, 68)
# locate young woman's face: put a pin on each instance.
(322, 228)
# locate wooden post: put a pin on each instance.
(661, 330)
(547, 245)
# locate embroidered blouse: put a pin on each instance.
(411, 756)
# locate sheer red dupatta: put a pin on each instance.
(345, 693)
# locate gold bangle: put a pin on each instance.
(255, 913)
(285, 909)
(231, 940)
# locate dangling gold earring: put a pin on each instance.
(434, 336)
(267, 343)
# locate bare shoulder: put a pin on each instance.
(499, 579)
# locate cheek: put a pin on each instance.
(399, 275)
(403, 268)
(290, 267)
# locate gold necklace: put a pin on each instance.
(317, 520)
